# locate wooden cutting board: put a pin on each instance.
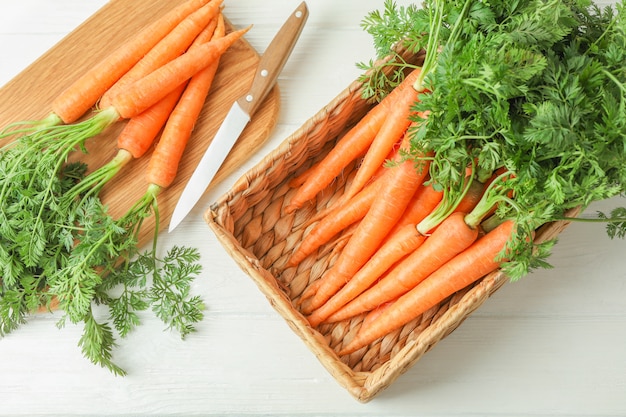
(29, 94)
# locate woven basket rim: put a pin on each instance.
(362, 385)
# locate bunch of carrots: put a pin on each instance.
(158, 82)
(407, 238)
(465, 158)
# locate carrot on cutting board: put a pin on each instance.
(133, 142)
(353, 144)
(172, 45)
(395, 193)
(142, 94)
(151, 88)
(467, 267)
(164, 161)
(79, 97)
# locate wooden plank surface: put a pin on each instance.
(28, 97)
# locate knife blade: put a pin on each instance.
(241, 112)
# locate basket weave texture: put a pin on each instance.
(251, 224)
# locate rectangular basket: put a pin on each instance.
(250, 223)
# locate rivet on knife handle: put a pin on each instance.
(274, 59)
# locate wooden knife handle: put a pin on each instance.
(273, 60)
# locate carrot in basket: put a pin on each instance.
(450, 238)
(143, 93)
(472, 197)
(454, 234)
(404, 241)
(140, 131)
(475, 262)
(396, 123)
(85, 92)
(336, 220)
(423, 203)
(354, 143)
(172, 45)
(394, 196)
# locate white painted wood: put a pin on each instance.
(550, 344)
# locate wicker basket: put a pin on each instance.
(250, 223)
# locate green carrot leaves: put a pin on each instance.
(535, 87)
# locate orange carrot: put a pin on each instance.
(300, 179)
(151, 88)
(336, 220)
(449, 239)
(79, 97)
(175, 43)
(401, 243)
(395, 194)
(396, 123)
(423, 202)
(141, 130)
(164, 161)
(133, 142)
(475, 262)
(354, 143)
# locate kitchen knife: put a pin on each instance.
(240, 113)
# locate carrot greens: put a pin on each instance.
(533, 88)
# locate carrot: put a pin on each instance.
(334, 221)
(133, 142)
(85, 92)
(423, 202)
(404, 241)
(151, 88)
(300, 179)
(449, 239)
(175, 43)
(471, 198)
(396, 123)
(141, 130)
(395, 194)
(164, 161)
(354, 143)
(475, 262)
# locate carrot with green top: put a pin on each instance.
(421, 205)
(454, 234)
(163, 164)
(450, 238)
(82, 94)
(481, 258)
(133, 142)
(336, 220)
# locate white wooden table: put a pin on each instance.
(551, 344)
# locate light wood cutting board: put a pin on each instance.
(29, 94)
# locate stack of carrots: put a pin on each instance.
(158, 82)
(410, 246)
(159, 77)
